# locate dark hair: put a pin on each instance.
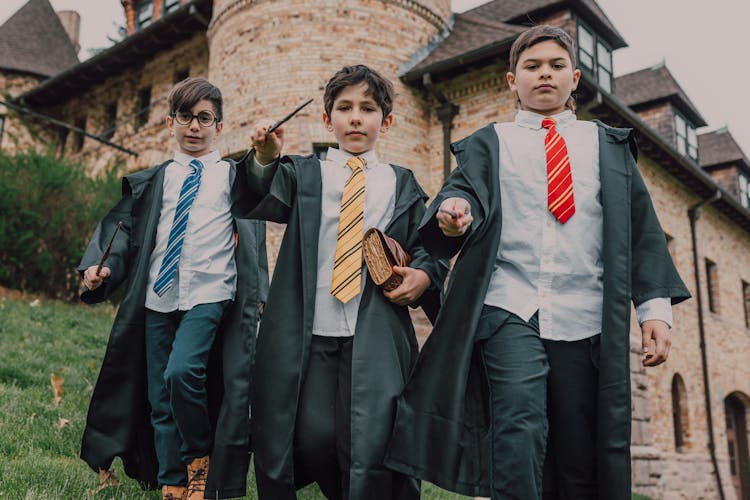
(380, 88)
(186, 94)
(542, 33)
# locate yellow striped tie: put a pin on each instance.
(347, 265)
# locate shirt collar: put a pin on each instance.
(533, 121)
(207, 159)
(339, 156)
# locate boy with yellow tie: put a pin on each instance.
(334, 351)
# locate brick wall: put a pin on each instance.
(659, 470)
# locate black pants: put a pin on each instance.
(539, 389)
(322, 435)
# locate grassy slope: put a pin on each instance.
(38, 460)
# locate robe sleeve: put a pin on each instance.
(436, 268)
(119, 257)
(458, 185)
(653, 272)
(265, 193)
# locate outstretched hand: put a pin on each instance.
(415, 283)
(267, 148)
(454, 217)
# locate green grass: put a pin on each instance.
(38, 460)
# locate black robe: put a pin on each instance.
(118, 421)
(441, 432)
(385, 345)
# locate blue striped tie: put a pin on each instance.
(168, 269)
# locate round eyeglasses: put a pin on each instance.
(205, 118)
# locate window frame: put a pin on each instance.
(141, 21)
(687, 141)
(143, 112)
(594, 55)
(168, 8)
(110, 115)
(712, 285)
(744, 190)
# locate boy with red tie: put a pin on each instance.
(557, 234)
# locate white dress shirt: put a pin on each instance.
(332, 317)
(207, 271)
(543, 265)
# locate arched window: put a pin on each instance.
(735, 409)
(680, 417)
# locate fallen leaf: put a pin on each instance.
(62, 423)
(106, 478)
(58, 391)
(35, 303)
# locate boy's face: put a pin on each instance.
(193, 138)
(544, 78)
(356, 119)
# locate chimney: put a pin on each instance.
(71, 21)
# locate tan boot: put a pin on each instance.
(173, 492)
(197, 471)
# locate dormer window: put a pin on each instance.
(595, 56)
(745, 191)
(144, 14)
(687, 140)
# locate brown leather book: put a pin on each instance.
(381, 253)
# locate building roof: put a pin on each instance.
(651, 85)
(611, 110)
(719, 147)
(134, 51)
(472, 39)
(529, 12)
(489, 30)
(33, 40)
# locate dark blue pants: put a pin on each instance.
(177, 347)
(539, 389)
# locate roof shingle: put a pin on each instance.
(719, 147)
(655, 84)
(470, 35)
(34, 41)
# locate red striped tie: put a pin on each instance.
(559, 179)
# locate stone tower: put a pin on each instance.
(269, 56)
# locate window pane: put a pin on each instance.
(170, 5)
(693, 152)
(605, 79)
(679, 126)
(681, 146)
(604, 56)
(586, 60)
(585, 40)
(145, 11)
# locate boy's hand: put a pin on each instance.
(656, 342)
(267, 149)
(415, 283)
(454, 216)
(91, 280)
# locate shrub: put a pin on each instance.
(48, 211)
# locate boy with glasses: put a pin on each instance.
(195, 274)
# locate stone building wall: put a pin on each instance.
(18, 132)
(659, 469)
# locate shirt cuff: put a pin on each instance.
(659, 308)
(257, 165)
